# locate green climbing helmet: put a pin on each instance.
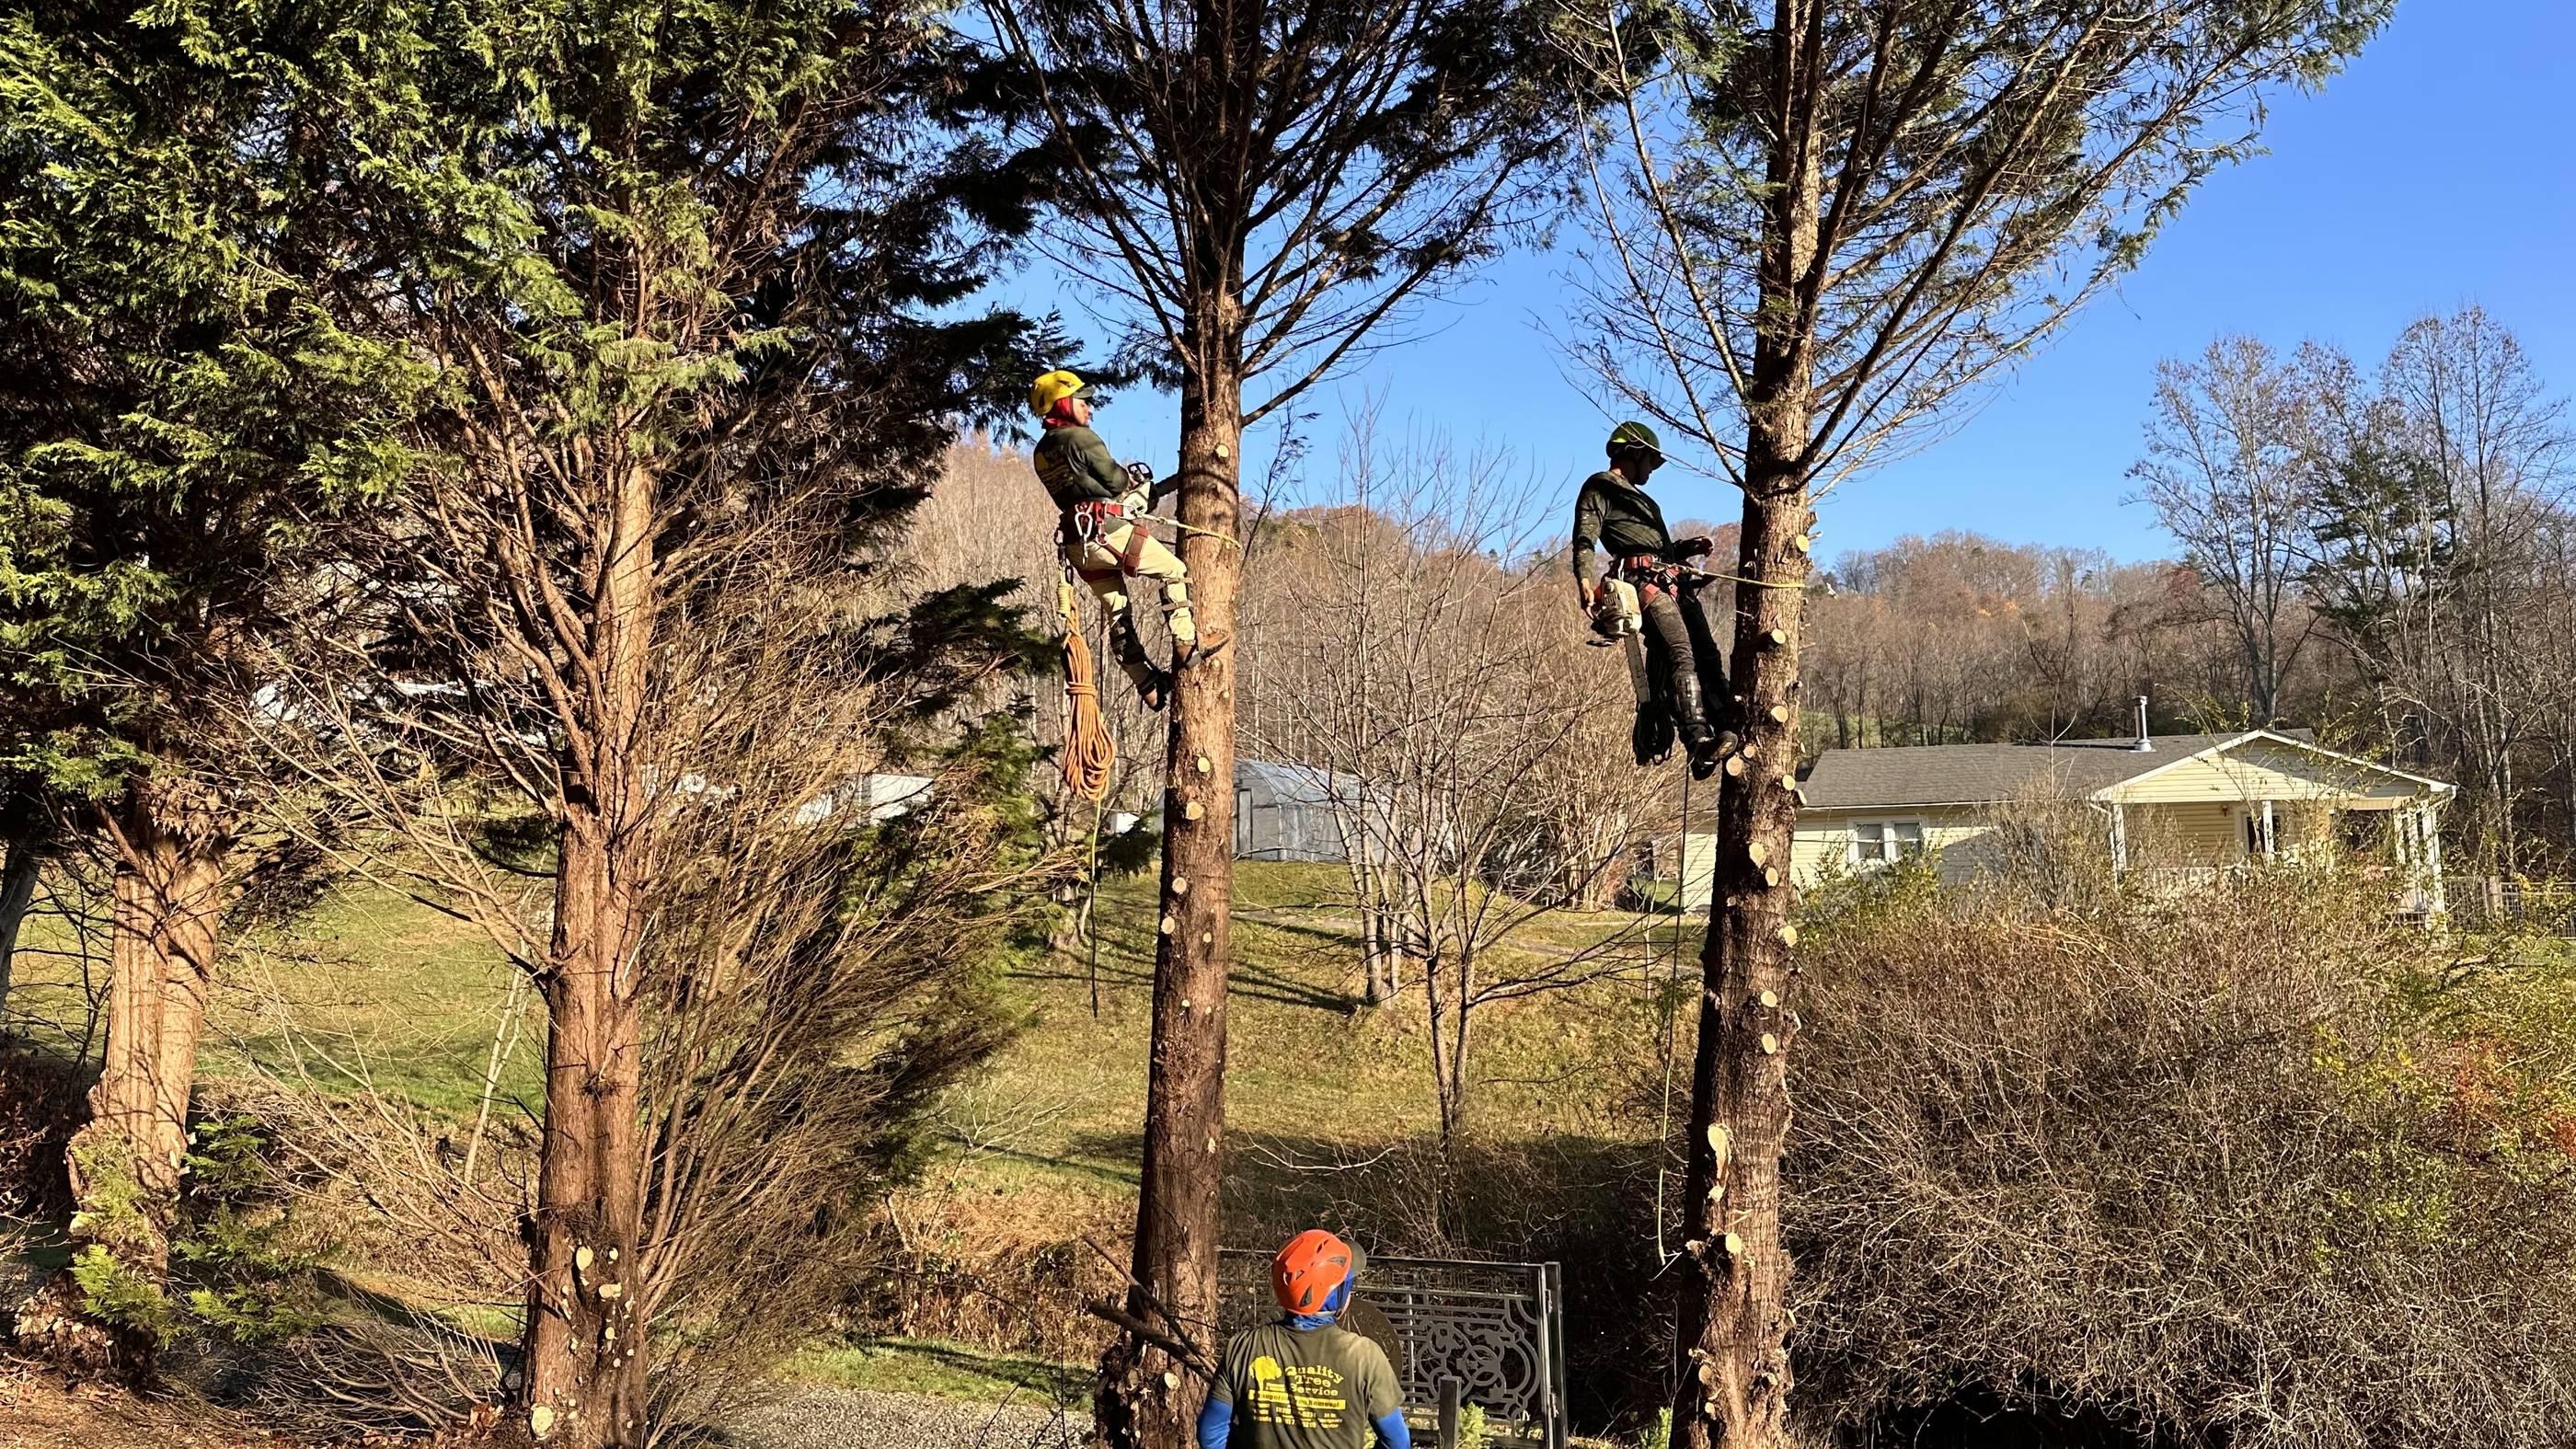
(1634, 437)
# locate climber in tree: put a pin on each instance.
(1614, 513)
(1102, 506)
(1304, 1382)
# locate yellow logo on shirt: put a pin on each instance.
(1308, 1395)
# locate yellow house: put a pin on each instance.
(2187, 804)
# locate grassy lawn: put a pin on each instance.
(945, 1370)
(378, 989)
(381, 990)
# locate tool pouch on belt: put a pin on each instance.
(1090, 522)
(1646, 571)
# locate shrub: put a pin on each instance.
(2248, 1165)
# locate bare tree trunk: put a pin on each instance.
(27, 849)
(585, 1384)
(127, 1161)
(1147, 1399)
(1733, 1323)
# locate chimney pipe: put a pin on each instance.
(2143, 744)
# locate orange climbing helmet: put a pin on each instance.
(1314, 1273)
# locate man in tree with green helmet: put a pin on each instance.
(1102, 530)
(1686, 675)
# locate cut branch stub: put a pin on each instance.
(1770, 1045)
(1779, 714)
(1168, 925)
(1193, 810)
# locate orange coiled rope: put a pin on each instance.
(1089, 753)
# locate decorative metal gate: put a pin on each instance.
(1497, 1328)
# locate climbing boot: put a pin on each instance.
(1690, 722)
(1155, 689)
(1206, 646)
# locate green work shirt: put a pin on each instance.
(1313, 1388)
(1076, 467)
(1617, 515)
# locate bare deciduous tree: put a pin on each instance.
(1825, 219)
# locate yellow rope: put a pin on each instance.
(1227, 539)
(1089, 752)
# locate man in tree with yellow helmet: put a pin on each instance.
(1103, 532)
(1650, 579)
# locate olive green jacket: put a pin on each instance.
(1614, 514)
(1076, 467)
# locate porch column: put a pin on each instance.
(2428, 854)
(2119, 837)
(2271, 841)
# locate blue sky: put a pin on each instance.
(2439, 169)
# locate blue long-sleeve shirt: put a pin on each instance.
(1216, 1425)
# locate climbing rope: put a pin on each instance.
(1089, 753)
(1669, 1007)
(1229, 540)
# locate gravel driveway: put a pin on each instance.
(826, 1418)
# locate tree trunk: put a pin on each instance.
(1147, 1399)
(1733, 1323)
(585, 1336)
(127, 1161)
(27, 849)
(585, 1351)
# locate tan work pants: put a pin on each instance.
(1098, 562)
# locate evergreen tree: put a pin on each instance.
(186, 436)
(694, 275)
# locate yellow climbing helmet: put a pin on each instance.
(1054, 388)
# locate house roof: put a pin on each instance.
(1981, 774)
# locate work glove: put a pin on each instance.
(1696, 546)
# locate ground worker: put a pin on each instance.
(1303, 1382)
(1102, 506)
(1650, 577)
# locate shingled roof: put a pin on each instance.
(1982, 774)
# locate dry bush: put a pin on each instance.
(2193, 1163)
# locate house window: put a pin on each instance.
(1878, 842)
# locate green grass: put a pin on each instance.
(944, 1370)
(1309, 1073)
(367, 988)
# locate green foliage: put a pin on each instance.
(116, 1211)
(249, 1284)
(112, 1291)
(184, 423)
(1659, 1434)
